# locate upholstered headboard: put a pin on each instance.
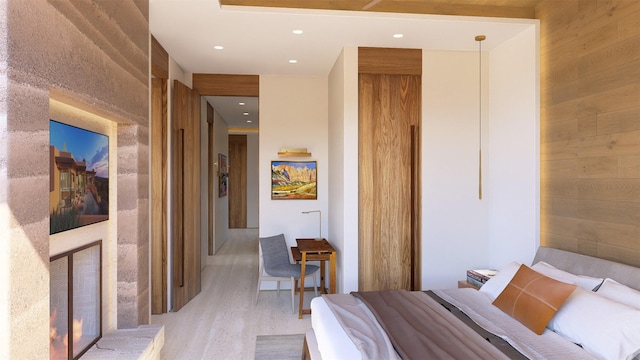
(588, 265)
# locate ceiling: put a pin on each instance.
(233, 110)
(258, 40)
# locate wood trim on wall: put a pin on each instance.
(226, 85)
(159, 60)
(416, 205)
(159, 177)
(389, 61)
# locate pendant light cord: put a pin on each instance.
(479, 39)
(480, 96)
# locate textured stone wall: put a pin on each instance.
(95, 52)
(133, 234)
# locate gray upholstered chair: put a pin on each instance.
(276, 266)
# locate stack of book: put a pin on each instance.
(478, 277)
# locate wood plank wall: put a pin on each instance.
(590, 127)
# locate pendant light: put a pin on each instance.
(480, 39)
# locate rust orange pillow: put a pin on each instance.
(532, 298)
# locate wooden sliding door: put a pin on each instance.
(158, 195)
(237, 181)
(389, 169)
(211, 180)
(158, 173)
(186, 194)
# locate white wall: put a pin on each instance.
(513, 177)
(253, 181)
(343, 176)
(459, 231)
(221, 204)
(293, 113)
(455, 225)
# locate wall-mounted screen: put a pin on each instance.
(79, 177)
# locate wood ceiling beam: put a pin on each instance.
(490, 8)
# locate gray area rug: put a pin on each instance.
(279, 347)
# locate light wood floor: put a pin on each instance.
(222, 322)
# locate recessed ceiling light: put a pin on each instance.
(398, 36)
(249, 121)
(241, 103)
(293, 61)
(297, 32)
(245, 114)
(218, 47)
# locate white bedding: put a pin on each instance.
(335, 344)
(333, 341)
(477, 305)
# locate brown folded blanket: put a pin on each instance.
(420, 328)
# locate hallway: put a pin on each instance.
(222, 321)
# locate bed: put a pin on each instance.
(573, 307)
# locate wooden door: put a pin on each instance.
(389, 168)
(186, 194)
(158, 170)
(237, 181)
(158, 173)
(212, 181)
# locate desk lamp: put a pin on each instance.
(320, 213)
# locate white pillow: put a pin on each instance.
(603, 327)
(583, 281)
(615, 291)
(494, 286)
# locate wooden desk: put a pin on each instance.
(315, 250)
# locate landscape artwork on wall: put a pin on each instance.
(78, 177)
(293, 180)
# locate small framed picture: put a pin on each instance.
(223, 175)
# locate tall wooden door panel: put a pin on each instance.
(186, 195)
(237, 181)
(211, 179)
(158, 173)
(158, 195)
(389, 111)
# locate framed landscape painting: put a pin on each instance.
(293, 180)
(78, 177)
